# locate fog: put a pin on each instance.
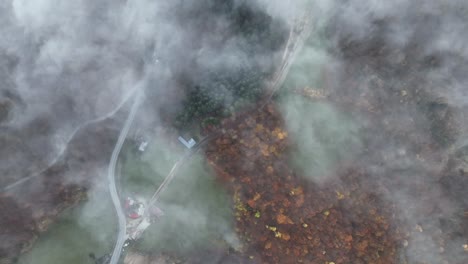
(396, 68)
(394, 75)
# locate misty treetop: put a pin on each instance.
(236, 47)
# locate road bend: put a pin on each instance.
(299, 33)
(111, 178)
(61, 153)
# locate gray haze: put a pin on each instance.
(63, 63)
(401, 67)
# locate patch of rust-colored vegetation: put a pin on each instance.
(282, 218)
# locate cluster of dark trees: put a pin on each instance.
(251, 36)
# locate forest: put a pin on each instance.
(251, 39)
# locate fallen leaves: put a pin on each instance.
(339, 195)
(270, 170)
(252, 202)
(283, 219)
(362, 246)
(285, 236)
(280, 134)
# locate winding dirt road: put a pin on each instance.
(17, 183)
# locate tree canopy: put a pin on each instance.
(231, 73)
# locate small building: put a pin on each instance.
(133, 208)
(143, 146)
(188, 144)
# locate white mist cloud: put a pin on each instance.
(398, 59)
(73, 61)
